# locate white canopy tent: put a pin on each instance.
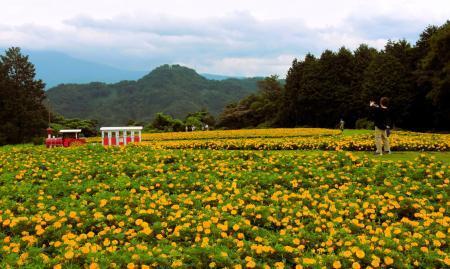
(117, 139)
(71, 131)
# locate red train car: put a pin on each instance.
(68, 138)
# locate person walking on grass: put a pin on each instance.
(380, 116)
(341, 125)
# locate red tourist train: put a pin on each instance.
(69, 137)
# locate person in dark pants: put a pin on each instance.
(380, 116)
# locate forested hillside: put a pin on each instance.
(172, 89)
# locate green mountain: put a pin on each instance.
(172, 89)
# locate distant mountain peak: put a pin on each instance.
(172, 74)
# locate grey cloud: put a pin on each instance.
(143, 42)
(386, 27)
(235, 31)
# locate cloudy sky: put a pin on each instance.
(230, 37)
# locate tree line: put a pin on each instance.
(319, 91)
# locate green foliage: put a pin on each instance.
(88, 128)
(171, 89)
(199, 119)
(163, 122)
(22, 114)
(364, 123)
(435, 67)
(256, 109)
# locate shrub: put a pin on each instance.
(364, 123)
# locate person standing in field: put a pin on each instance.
(341, 125)
(380, 116)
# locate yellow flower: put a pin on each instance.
(375, 263)
(447, 260)
(309, 261)
(69, 255)
(177, 263)
(440, 235)
(356, 265)
(337, 264)
(388, 260)
(347, 253)
(360, 253)
(103, 202)
(251, 264)
(94, 266)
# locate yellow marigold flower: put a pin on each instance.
(279, 265)
(289, 249)
(235, 227)
(447, 260)
(177, 263)
(440, 235)
(57, 266)
(388, 260)
(251, 264)
(69, 255)
(309, 261)
(356, 265)
(337, 264)
(84, 250)
(131, 266)
(347, 253)
(94, 266)
(360, 253)
(375, 263)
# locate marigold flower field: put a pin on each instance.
(148, 205)
(295, 138)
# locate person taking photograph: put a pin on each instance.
(380, 116)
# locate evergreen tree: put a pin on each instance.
(435, 67)
(22, 113)
(386, 76)
(362, 57)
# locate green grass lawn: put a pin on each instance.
(350, 132)
(394, 156)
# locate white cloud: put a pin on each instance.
(235, 37)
